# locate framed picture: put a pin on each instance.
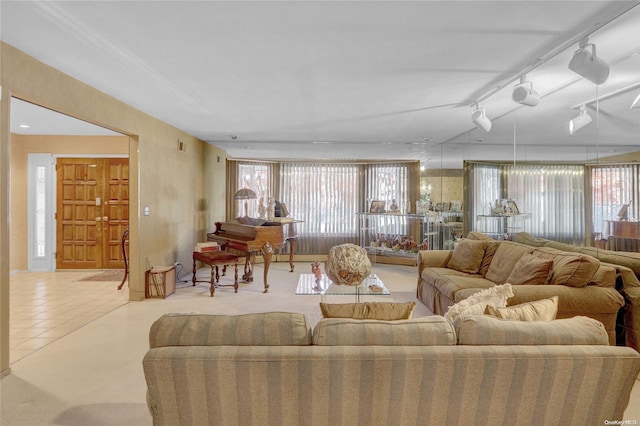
(377, 206)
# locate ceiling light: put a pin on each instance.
(24, 126)
(524, 94)
(588, 65)
(635, 103)
(480, 119)
(581, 120)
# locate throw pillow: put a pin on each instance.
(467, 256)
(574, 270)
(530, 269)
(368, 310)
(432, 330)
(539, 310)
(476, 303)
(505, 259)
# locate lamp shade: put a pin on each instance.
(245, 194)
(587, 65)
(480, 120)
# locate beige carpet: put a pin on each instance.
(94, 376)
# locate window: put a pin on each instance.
(254, 176)
(612, 187)
(325, 196)
(551, 195)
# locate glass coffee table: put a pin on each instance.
(371, 286)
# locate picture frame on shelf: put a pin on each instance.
(377, 206)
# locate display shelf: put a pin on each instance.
(380, 232)
(501, 226)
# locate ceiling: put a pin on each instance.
(348, 80)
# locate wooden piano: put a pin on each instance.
(256, 235)
(623, 229)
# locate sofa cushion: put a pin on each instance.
(425, 331)
(605, 276)
(369, 310)
(531, 269)
(489, 253)
(487, 330)
(573, 269)
(467, 256)
(476, 303)
(261, 329)
(504, 260)
(539, 310)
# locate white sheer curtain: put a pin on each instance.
(551, 195)
(388, 182)
(326, 197)
(613, 186)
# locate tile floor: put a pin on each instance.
(44, 307)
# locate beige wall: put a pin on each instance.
(171, 183)
(21, 147)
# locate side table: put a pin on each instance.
(215, 258)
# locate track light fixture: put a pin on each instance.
(524, 94)
(635, 103)
(480, 119)
(583, 119)
(587, 64)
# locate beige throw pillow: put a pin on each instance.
(467, 256)
(368, 310)
(504, 261)
(531, 269)
(539, 310)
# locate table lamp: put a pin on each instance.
(245, 194)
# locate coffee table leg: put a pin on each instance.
(193, 280)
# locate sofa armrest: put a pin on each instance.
(433, 259)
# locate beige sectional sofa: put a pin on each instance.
(273, 369)
(627, 266)
(584, 285)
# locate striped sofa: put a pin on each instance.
(273, 369)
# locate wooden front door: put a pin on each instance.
(92, 212)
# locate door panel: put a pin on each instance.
(92, 212)
(78, 183)
(116, 210)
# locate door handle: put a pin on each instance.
(98, 219)
(105, 218)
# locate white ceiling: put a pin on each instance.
(350, 80)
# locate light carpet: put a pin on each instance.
(94, 376)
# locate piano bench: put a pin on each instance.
(214, 259)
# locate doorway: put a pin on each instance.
(92, 212)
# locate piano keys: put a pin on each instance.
(251, 236)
